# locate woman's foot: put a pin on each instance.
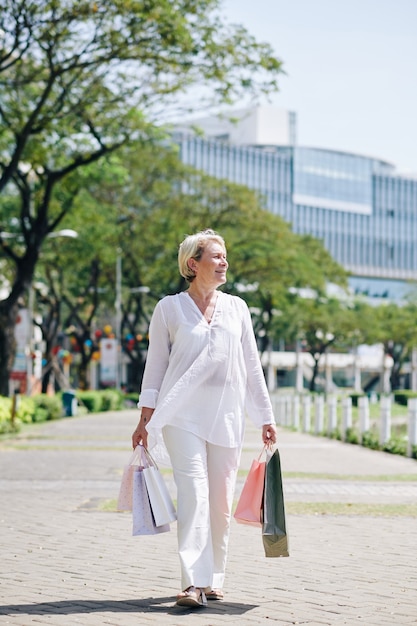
(214, 594)
(192, 597)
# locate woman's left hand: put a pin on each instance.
(269, 433)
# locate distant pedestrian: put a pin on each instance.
(202, 374)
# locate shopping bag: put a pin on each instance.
(248, 509)
(274, 532)
(124, 500)
(163, 509)
(143, 522)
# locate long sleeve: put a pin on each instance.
(258, 404)
(157, 359)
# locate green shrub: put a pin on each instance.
(6, 427)
(335, 434)
(112, 400)
(93, 400)
(41, 415)
(131, 399)
(351, 436)
(51, 405)
(25, 409)
(396, 446)
(5, 409)
(43, 407)
(370, 440)
(402, 397)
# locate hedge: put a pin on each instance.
(43, 407)
(402, 397)
(29, 410)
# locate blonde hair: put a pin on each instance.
(193, 247)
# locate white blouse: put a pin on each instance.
(202, 376)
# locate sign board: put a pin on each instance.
(21, 333)
(108, 361)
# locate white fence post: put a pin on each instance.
(412, 425)
(299, 376)
(331, 414)
(414, 370)
(281, 410)
(319, 415)
(287, 410)
(385, 420)
(346, 416)
(296, 411)
(273, 399)
(306, 413)
(283, 405)
(363, 404)
(277, 408)
(357, 373)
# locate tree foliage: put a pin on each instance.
(78, 80)
(139, 205)
(394, 326)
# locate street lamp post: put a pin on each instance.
(118, 307)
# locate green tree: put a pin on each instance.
(299, 263)
(394, 326)
(79, 80)
(322, 322)
(142, 204)
(72, 284)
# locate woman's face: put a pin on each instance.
(212, 267)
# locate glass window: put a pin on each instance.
(333, 178)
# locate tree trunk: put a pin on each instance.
(83, 373)
(314, 376)
(8, 318)
(9, 310)
(136, 370)
(395, 375)
(45, 381)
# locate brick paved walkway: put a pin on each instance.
(64, 561)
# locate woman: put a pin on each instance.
(202, 372)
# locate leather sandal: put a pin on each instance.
(214, 594)
(192, 597)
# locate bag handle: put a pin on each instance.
(268, 449)
(140, 456)
(149, 457)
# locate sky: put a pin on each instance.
(351, 71)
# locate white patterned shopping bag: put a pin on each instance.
(142, 517)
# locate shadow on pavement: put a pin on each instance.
(145, 605)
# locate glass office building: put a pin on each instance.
(362, 210)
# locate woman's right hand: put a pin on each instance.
(140, 435)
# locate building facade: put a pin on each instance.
(363, 211)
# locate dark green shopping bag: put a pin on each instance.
(274, 533)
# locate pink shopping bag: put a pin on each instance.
(249, 506)
(125, 498)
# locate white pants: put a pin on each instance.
(205, 476)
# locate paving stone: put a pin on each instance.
(65, 562)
